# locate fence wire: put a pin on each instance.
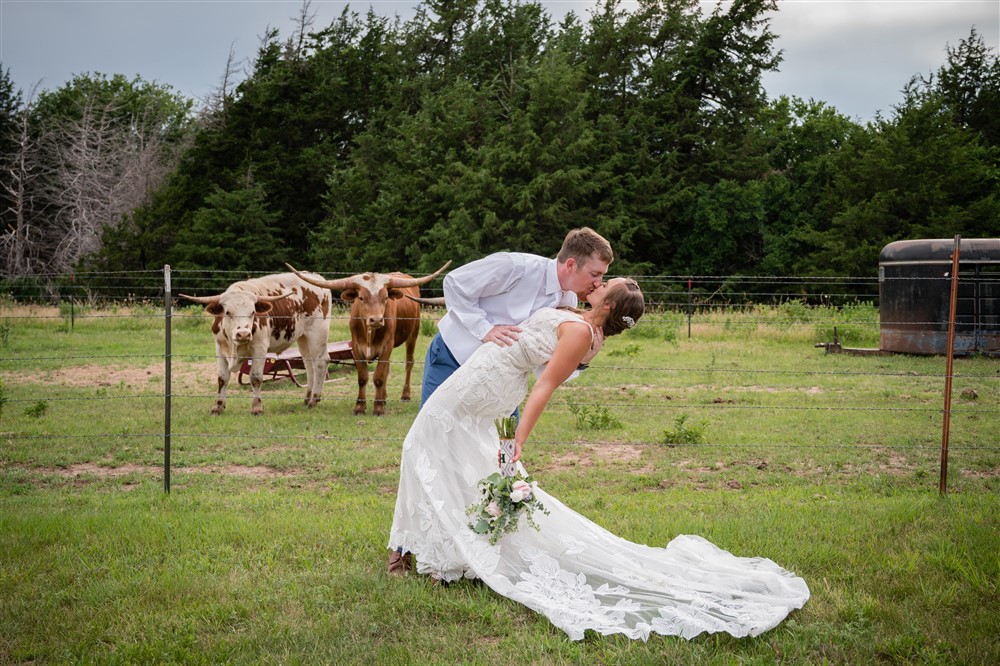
(673, 301)
(760, 446)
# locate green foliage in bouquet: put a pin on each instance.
(504, 498)
(503, 501)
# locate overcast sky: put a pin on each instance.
(856, 55)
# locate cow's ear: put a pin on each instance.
(214, 309)
(262, 308)
(396, 294)
(348, 295)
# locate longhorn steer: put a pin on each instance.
(268, 314)
(381, 319)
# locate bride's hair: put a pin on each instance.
(627, 305)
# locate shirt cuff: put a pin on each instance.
(482, 329)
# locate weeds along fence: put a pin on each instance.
(719, 363)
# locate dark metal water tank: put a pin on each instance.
(915, 293)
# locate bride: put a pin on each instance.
(576, 573)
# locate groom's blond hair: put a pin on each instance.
(582, 244)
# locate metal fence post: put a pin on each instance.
(943, 486)
(166, 387)
(690, 307)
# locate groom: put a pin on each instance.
(486, 298)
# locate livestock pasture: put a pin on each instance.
(270, 547)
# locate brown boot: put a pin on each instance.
(400, 564)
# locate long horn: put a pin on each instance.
(427, 301)
(399, 283)
(204, 300)
(333, 285)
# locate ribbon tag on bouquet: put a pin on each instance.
(505, 428)
(507, 468)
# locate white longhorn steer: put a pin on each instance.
(267, 314)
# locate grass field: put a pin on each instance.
(270, 547)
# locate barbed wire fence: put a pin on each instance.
(677, 306)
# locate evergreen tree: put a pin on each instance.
(804, 142)
(234, 231)
(969, 85)
(698, 93)
(479, 125)
(916, 175)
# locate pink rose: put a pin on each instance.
(519, 490)
(493, 509)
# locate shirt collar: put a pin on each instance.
(552, 285)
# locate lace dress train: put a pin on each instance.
(576, 573)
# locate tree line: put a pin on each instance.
(483, 125)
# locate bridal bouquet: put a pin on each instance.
(504, 497)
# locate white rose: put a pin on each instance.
(493, 509)
(519, 490)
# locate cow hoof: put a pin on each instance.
(405, 398)
(216, 411)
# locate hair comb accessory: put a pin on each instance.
(628, 321)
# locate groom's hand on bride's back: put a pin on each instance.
(503, 335)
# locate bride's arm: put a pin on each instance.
(573, 345)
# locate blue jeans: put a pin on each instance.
(438, 366)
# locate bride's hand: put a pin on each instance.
(518, 447)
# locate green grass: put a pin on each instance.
(270, 547)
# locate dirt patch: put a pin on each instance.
(90, 469)
(254, 472)
(182, 375)
(981, 473)
(588, 456)
(105, 472)
(897, 465)
(685, 465)
(887, 461)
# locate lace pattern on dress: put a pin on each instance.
(576, 573)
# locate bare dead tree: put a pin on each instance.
(216, 103)
(22, 242)
(105, 169)
(303, 23)
(68, 178)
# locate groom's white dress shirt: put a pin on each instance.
(502, 288)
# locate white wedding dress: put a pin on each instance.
(576, 573)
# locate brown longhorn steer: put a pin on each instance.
(266, 315)
(381, 320)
